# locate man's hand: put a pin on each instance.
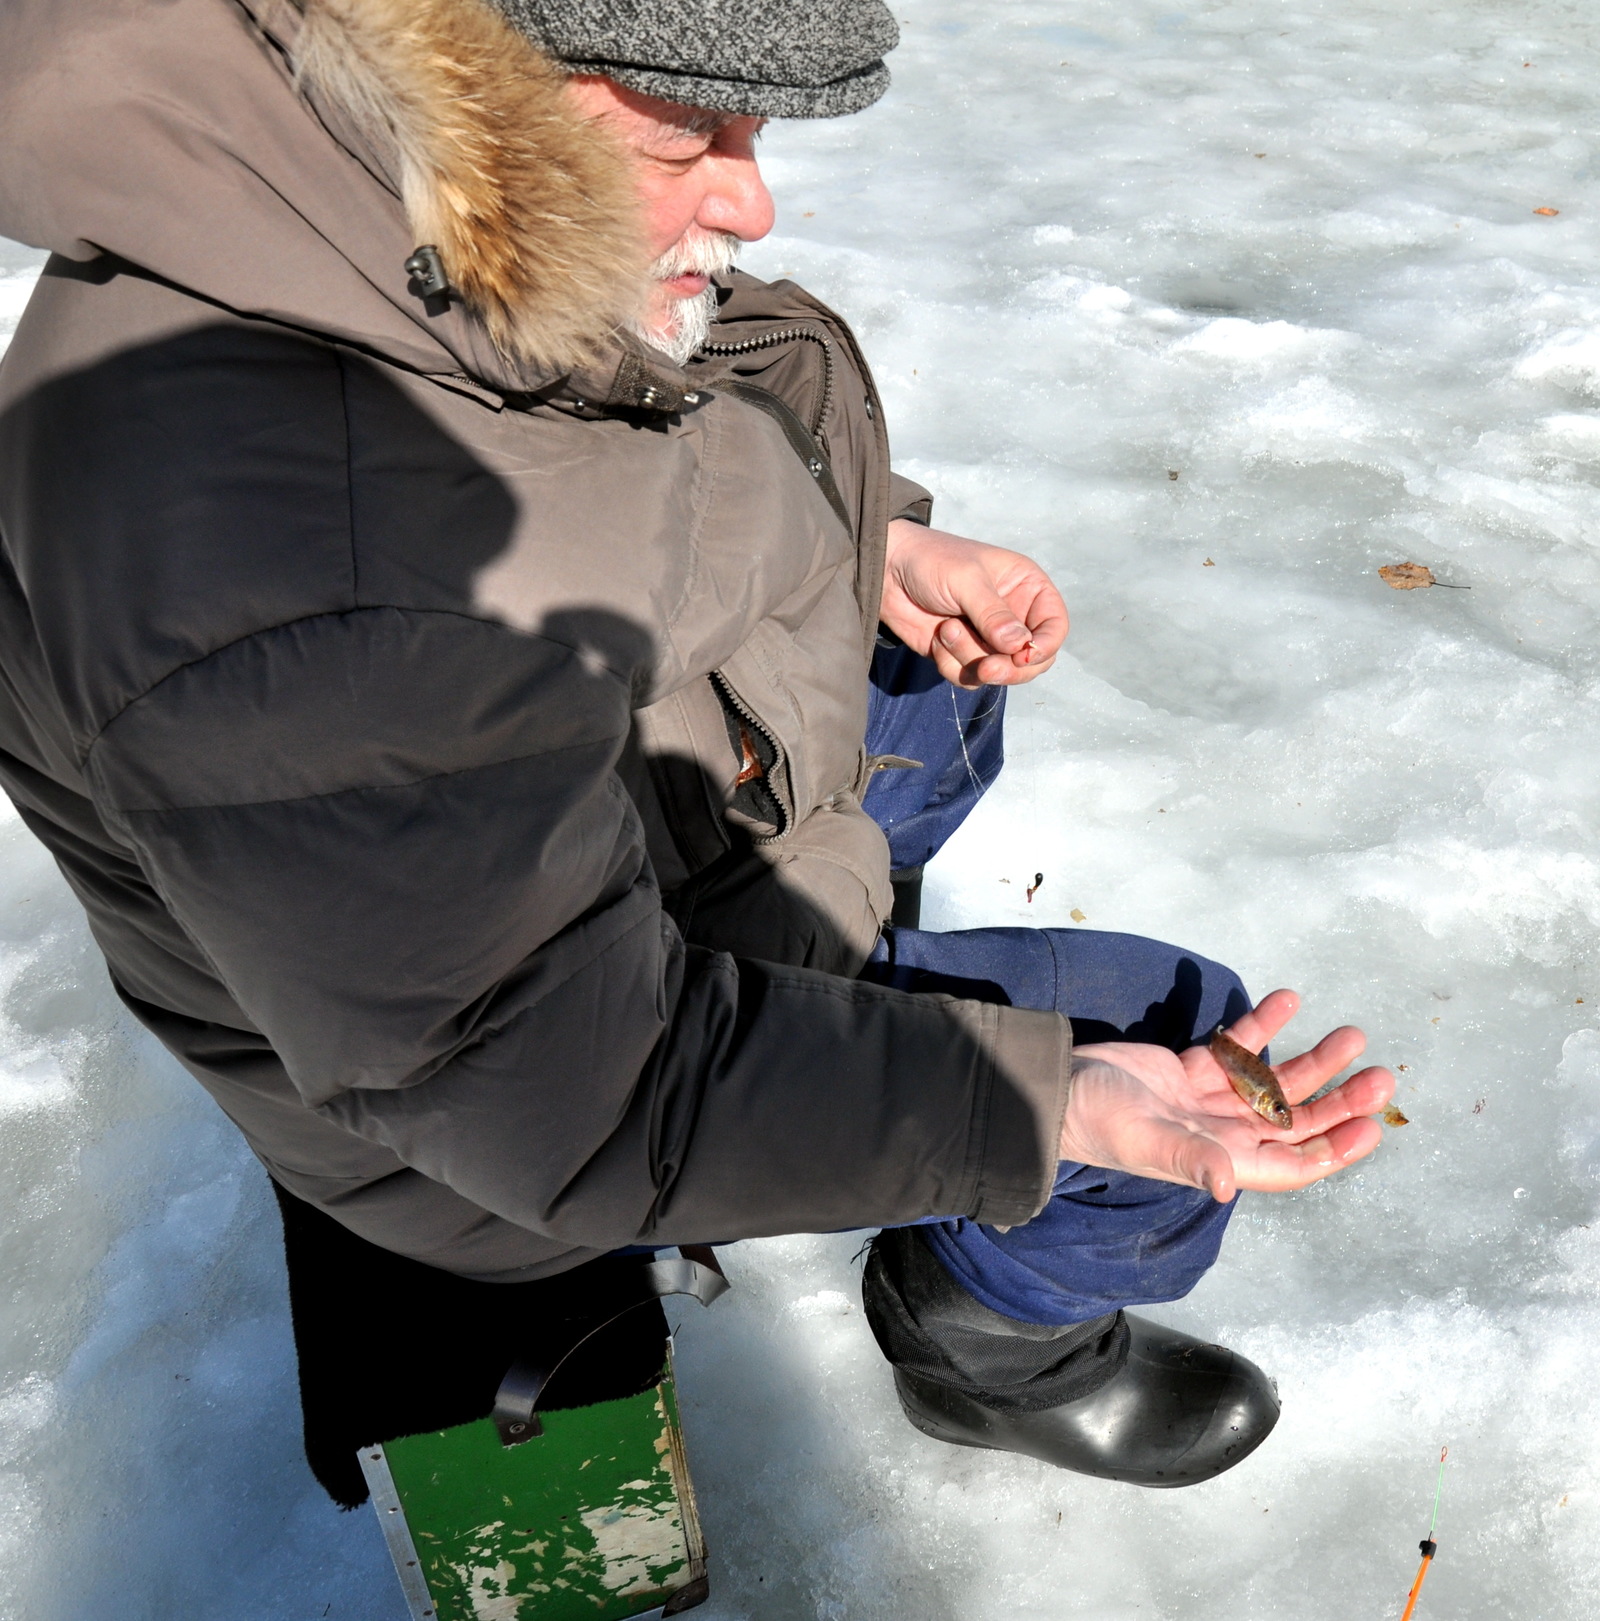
(1175, 1117)
(985, 616)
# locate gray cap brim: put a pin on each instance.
(760, 58)
(753, 100)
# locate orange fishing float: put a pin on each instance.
(1428, 1545)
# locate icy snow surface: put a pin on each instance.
(1291, 255)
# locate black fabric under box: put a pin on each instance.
(390, 1347)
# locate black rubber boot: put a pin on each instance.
(1180, 1411)
(928, 1325)
(1128, 1401)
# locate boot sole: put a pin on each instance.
(930, 1428)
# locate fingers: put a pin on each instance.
(1169, 1152)
(991, 616)
(1280, 1167)
(1363, 1094)
(1003, 632)
(995, 625)
(1300, 1077)
(1265, 1020)
(965, 660)
(1206, 1164)
(957, 638)
(1115, 1119)
(1047, 621)
(1172, 1152)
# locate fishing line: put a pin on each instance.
(1428, 1545)
(961, 736)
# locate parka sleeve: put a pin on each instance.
(400, 838)
(909, 500)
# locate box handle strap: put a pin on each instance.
(694, 1272)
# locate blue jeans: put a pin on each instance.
(956, 732)
(1105, 1239)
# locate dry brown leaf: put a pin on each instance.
(1393, 1117)
(1405, 576)
(1549, 213)
(1077, 916)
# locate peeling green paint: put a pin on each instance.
(592, 1521)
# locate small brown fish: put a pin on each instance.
(1252, 1080)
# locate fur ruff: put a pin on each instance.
(532, 209)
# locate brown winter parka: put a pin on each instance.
(449, 713)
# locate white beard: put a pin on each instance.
(689, 320)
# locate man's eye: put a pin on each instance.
(682, 153)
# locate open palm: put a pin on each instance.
(1175, 1116)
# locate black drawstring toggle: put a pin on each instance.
(426, 270)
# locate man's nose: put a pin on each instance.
(737, 200)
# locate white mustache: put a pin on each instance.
(702, 253)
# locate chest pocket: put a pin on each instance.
(801, 441)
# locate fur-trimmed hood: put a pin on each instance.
(531, 209)
(284, 159)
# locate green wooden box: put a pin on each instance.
(593, 1520)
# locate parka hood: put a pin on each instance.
(284, 160)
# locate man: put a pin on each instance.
(440, 664)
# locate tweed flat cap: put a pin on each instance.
(765, 58)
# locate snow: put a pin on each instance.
(1288, 252)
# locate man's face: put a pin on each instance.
(701, 191)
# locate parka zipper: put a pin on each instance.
(870, 577)
(780, 761)
(749, 346)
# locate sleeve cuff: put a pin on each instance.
(1030, 1078)
(908, 500)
